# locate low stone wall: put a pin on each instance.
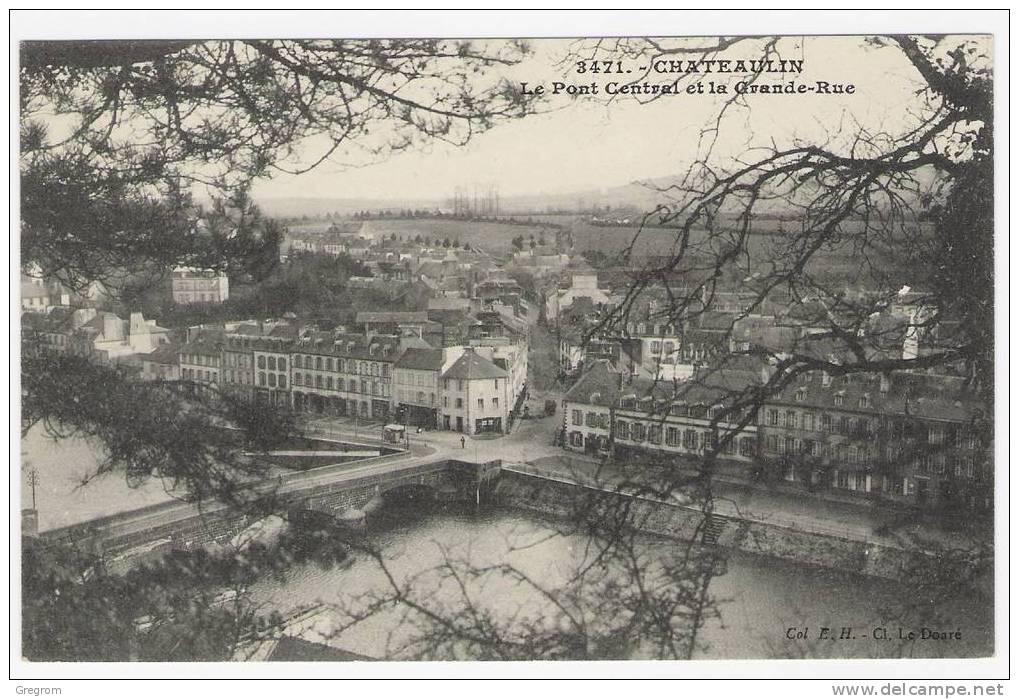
(560, 499)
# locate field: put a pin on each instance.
(494, 238)
(838, 263)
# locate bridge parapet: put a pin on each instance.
(335, 493)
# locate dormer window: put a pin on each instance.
(801, 394)
(825, 378)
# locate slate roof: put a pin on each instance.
(473, 366)
(392, 317)
(599, 385)
(415, 358)
(918, 395)
(166, 353)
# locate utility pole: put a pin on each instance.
(33, 480)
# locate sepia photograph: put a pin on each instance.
(609, 347)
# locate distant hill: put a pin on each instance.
(628, 195)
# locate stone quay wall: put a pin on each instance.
(560, 498)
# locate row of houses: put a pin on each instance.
(913, 438)
(471, 388)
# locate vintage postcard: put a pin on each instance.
(660, 346)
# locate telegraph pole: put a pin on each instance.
(33, 480)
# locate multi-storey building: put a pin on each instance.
(271, 359)
(162, 364)
(605, 413)
(581, 286)
(189, 285)
(239, 363)
(200, 361)
(40, 296)
(416, 392)
(907, 437)
(476, 395)
(108, 338)
(344, 374)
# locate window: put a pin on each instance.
(746, 446)
(801, 394)
(481, 403)
(329, 363)
(790, 445)
(445, 401)
(460, 403)
(272, 363)
(672, 436)
(272, 380)
(283, 381)
(297, 379)
(790, 418)
(771, 443)
(576, 439)
(495, 402)
(352, 386)
(622, 430)
(637, 432)
(654, 434)
(578, 417)
(329, 382)
(689, 439)
(825, 422)
(318, 363)
(261, 377)
(865, 401)
(261, 361)
(656, 347)
(808, 422)
(497, 384)
(840, 398)
(460, 385)
(825, 378)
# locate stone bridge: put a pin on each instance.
(444, 480)
(342, 493)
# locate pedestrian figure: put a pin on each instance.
(463, 442)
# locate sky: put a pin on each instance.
(590, 143)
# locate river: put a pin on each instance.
(761, 601)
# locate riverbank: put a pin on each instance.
(560, 497)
